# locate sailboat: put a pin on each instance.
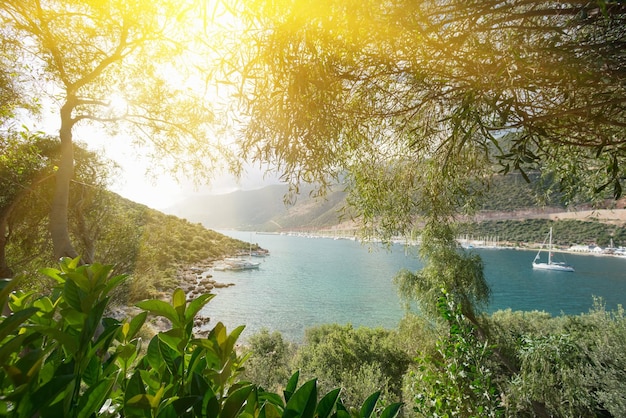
(550, 265)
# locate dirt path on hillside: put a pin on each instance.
(611, 216)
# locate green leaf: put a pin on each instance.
(160, 308)
(68, 341)
(113, 282)
(73, 295)
(327, 404)
(368, 406)
(48, 392)
(179, 302)
(153, 354)
(92, 400)
(170, 356)
(80, 279)
(292, 384)
(269, 410)
(14, 321)
(135, 325)
(180, 406)
(91, 375)
(11, 347)
(7, 288)
(53, 274)
(392, 410)
(174, 339)
(303, 402)
(196, 305)
(235, 401)
(69, 264)
(210, 404)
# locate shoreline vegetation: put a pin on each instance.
(471, 243)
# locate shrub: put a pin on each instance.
(61, 357)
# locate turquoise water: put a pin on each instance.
(312, 281)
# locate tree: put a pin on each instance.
(415, 105)
(379, 88)
(27, 167)
(25, 163)
(125, 65)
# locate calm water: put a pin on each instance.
(312, 281)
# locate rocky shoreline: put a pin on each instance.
(194, 280)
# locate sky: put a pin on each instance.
(157, 189)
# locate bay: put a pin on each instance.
(312, 281)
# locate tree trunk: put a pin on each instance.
(59, 228)
(5, 271)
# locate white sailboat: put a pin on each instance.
(550, 265)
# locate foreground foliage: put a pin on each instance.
(61, 356)
(555, 366)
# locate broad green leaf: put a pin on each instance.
(179, 302)
(391, 411)
(94, 317)
(68, 341)
(69, 264)
(210, 404)
(235, 401)
(368, 406)
(153, 354)
(113, 282)
(92, 372)
(182, 405)
(80, 279)
(92, 400)
(269, 410)
(156, 399)
(48, 392)
(170, 356)
(143, 401)
(229, 344)
(7, 288)
(11, 347)
(14, 321)
(292, 384)
(44, 304)
(174, 339)
(52, 273)
(73, 295)
(327, 404)
(272, 398)
(196, 305)
(135, 325)
(303, 402)
(161, 308)
(73, 317)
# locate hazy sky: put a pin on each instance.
(158, 190)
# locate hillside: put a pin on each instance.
(507, 210)
(262, 210)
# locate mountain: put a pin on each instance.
(262, 209)
(508, 197)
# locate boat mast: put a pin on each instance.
(550, 247)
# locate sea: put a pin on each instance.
(308, 281)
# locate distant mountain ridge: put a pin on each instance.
(509, 197)
(261, 210)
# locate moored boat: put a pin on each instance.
(551, 264)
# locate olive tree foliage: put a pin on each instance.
(414, 105)
(25, 163)
(402, 92)
(125, 65)
(27, 166)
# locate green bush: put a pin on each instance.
(61, 357)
